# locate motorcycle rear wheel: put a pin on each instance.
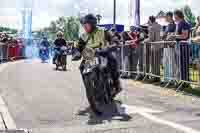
(90, 91)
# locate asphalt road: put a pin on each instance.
(49, 101)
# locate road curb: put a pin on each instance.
(5, 116)
(6, 122)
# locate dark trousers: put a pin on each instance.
(152, 59)
(184, 61)
(147, 57)
(136, 59)
(155, 60)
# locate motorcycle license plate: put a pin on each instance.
(63, 48)
(87, 70)
(97, 61)
(104, 61)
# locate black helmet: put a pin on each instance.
(90, 19)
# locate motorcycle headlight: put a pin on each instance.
(63, 48)
(42, 47)
(88, 53)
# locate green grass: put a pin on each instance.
(193, 91)
(193, 70)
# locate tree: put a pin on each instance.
(53, 26)
(71, 29)
(10, 30)
(68, 25)
(189, 16)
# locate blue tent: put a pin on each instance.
(119, 28)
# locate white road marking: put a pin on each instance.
(147, 113)
(169, 123)
(9, 122)
(135, 109)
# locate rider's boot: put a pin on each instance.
(96, 111)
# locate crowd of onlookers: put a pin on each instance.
(176, 56)
(4, 37)
(10, 48)
(141, 56)
(7, 39)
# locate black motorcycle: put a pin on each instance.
(97, 79)
(61, 60)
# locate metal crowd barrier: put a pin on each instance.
(3, 52)
(131, 60)
(10, 52)
(170, 61)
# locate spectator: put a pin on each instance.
(134, 51)
(4, 38)
(154, 29)
(169, 51)
(197, 31)
(182, 27)
(197, 27)
(153, 52)
(171, 27)
(125, 51)
(115, 37)
(182, 50)
(195, 47)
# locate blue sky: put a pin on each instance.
(46, 10)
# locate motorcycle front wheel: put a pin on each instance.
(64, 62)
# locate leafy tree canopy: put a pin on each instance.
(68, 25)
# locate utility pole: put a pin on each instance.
(114, 13)
(134, 12)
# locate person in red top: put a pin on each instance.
(133, 43)
(134, 39)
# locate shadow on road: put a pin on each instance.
(111, 113)
(198, 114)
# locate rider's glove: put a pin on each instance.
(76, 55)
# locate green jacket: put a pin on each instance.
(98, 38)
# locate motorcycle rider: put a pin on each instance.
(59, 42)
(95, 37)
(45, 43)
